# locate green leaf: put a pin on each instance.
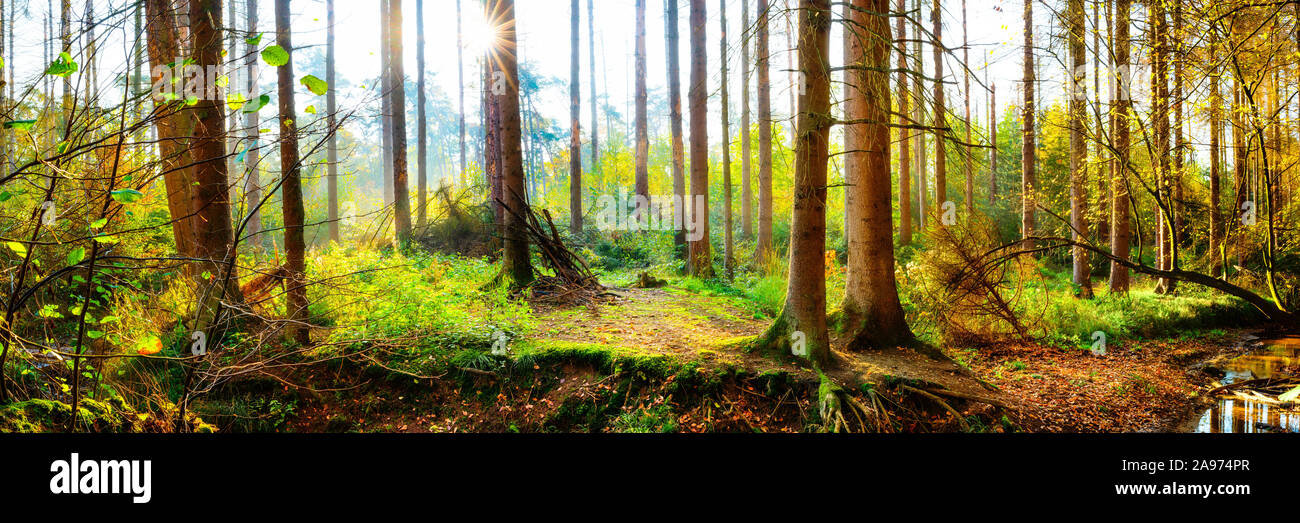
(257, 104)
(125, 196)
(94, 335)
(99, 224)
(5, 196)
(18, 248)
(22, 125)
(106, 238)
(317, 86)
(254, 40)
(311, 109)
(235, 101)
(76, 256)
(63, 66)
(275, 56)
(109, 319)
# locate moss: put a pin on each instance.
(38, 415)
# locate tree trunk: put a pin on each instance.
(968, 150)
(1166, 241)
(918, 94)
(701, 256)
(460, 90)
(1216, 137)
(802, 322)
(575, 115)
(1180, 141)
(386, 100)
(422, 136)
(401, 189)
(904, 135)
(291, 184)
(595, 102)
(726, 147)
(252, 120)
(1029, 149)
(746, 186)
(993, 151)
(518, 265)
(1078, 146)
(642, 125)
(331, 106)
(940, 114)
(492, 133)
(763, 248)
(1119, 190)
(173, 125)
(871, 310)
(675, 119)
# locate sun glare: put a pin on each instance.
(478, 35)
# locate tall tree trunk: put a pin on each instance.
(1078, 146)
(746, 185)
(675, 120)
(595, 102)
(1164, 177)
(1106, 168)
(642, 125)
(993, 151)
(252, 121)
(174, 126)
(701, 256)
(904, 135)
(802, 321)
(1180, 141)
(331, 106)
(1121, 106)
(401, 189)
(871, 309)
(575, 115)
(422, 136)
(460, 89)
(764, 247)
(1216, 137)
(517, 263)
(969, 152)
(940, 113)
(1029, 148)
(291, 184)
(726, 146)
(918, 94)
(492, 130)
(386, 101)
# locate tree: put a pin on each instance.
(746, 185)
(252, 121)
(591, 54)
(969, 152)
(904, 138)
(291, 183)
(922, 184)
(575, 114)
(940, 112)
(871, 311)
(1119, 207)
(642, 125)
(422, 132)
(1029, 147)
(675, 122)
(763, 248)
(460, 88)
(401, 190)
(518, 266)
(173, 125)
(726, 145)
(701, 257)
(1078, 146)
(802, 322)
(386, 100)
(1217, 265)
(1166, 244)
(331, 107)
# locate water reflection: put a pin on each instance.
(1236, 415)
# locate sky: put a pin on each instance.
(995, 33)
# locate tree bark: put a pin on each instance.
(252, 120)
(671, 21)
(1029, 148)
(904, 136)
(763, 248)
(969, 152)
(460, 89)
(575, 115)
(746, 185)
(1166, 241)
(518, 264)
(591, 53)
(1119, 219)
(172, 124)
(331, 107)
(726, 146)
(1078, 146)
(803, 318)
(940, 113)
(422, 136)
(871, 310)
(642, 125)
(291, 184)
(701, 255)
(401, 189)
(1216, 137)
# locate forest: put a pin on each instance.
(650, 216)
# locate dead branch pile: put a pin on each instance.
(1280, 391)
(572, 280)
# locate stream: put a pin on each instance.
(1234, 415)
